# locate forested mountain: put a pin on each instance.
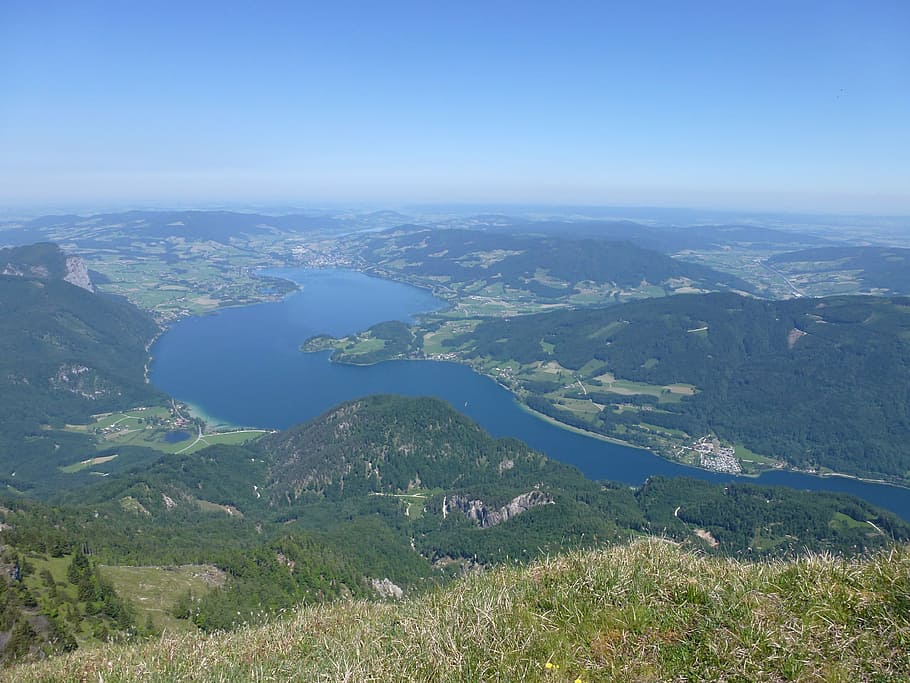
(385, 493)
(813, 382)
(45, 261)
(547, 267)
(389, 444)
(874, 270)
(65, 353)
(42, 260)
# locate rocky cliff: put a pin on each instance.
(77, 273)
(477, 510)
(45, 261)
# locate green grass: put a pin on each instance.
(629, 388)
(581, 407)
(66, 591)
(433, 341)
(649, 611)
(651, 291)
(88, 462)
(205, 276)
(138, 427)
(364, 344)
(153, 590)
(764, 540)
(746, 455)
(133, 417)
(662, 431)
(233, 438)
(57, 567)
(839, 519)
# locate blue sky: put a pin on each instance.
(789, 106)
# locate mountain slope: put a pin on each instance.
(390, 444)
(813, 382)
(647, 611)
(546, 269)
(65, 353)
(440, 485)
(288, 521)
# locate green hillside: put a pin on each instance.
(815, 383)
(378, 496)
(43, 260)
(490, 273)
(649, 611)
(65, 353)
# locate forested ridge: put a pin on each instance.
(392, 488)
(813, 382)
(65, 353)
(519, 261)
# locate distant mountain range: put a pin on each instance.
(145, 226)
(545, 267)
(667, 239)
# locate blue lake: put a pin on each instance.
(243, 366)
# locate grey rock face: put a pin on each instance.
(77, 273)
(477, 511)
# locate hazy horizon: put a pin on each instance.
(777, 108)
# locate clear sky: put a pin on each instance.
(792, 105)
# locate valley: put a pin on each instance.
(429, 342)
(333, 494)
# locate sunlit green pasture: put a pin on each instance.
(153, 591)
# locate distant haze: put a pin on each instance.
(772, 106)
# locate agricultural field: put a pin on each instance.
(189, 285)
(169, 430)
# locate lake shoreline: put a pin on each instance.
(246, 365)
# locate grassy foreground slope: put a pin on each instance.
(642, 612)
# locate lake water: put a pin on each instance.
(176, 436)
(243, 366)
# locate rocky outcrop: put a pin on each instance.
(77, 273)
(386, 589)
(16, 270)
(477, 511)
(83, 381)
(45, 261)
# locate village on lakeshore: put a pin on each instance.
(714, 456)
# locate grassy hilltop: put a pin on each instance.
(649, 611)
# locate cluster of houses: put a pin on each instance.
(177, 421)
(714, 456)
(443, 356)
(314, 258)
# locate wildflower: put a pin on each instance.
(548, 665)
